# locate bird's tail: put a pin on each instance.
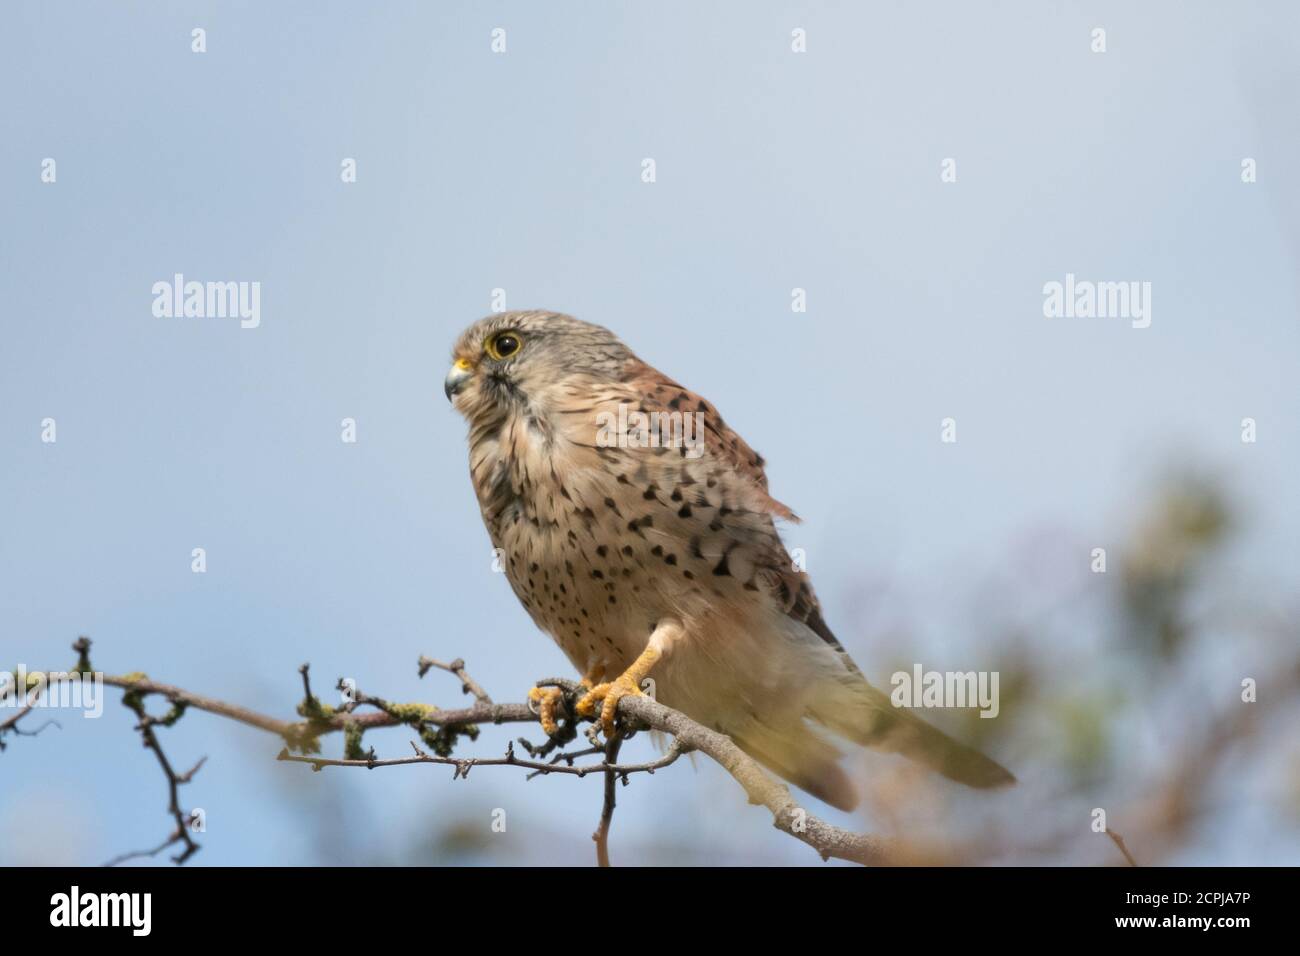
(799, 754)
(866, 716)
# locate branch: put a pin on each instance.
(1119, 842)
(457, 667)
(787, 816)
(135, 701)
(300, 733)
(440, 730)
(601, 836)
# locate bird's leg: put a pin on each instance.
(548, 699)
(594, 673)
(664, 636)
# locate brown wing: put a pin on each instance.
(746, 510)
(658, 392)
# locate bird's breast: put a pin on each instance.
(601, 543)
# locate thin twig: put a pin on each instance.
(457, 667)
(1119, 842)
(174, 780)
(601, 836)
(297, 730)
(142, 854)
(10, 726)
(463, 765)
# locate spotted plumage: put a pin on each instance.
(626, 508)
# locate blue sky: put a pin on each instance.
(521, 171)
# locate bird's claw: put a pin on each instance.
(607, 696)
(544, 702)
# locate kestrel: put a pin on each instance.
(637, 530)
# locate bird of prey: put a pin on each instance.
(637, 530)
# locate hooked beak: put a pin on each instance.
(460, 373)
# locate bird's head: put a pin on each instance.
(511, 361)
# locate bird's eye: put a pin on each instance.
(503, 345)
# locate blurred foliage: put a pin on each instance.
(1189, 522)
(1126, 696)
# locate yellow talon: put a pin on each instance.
(547, 700)
(627, 684)
(586, 705)
(608, 695)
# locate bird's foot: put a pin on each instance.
(546, 702)
(607, 696)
